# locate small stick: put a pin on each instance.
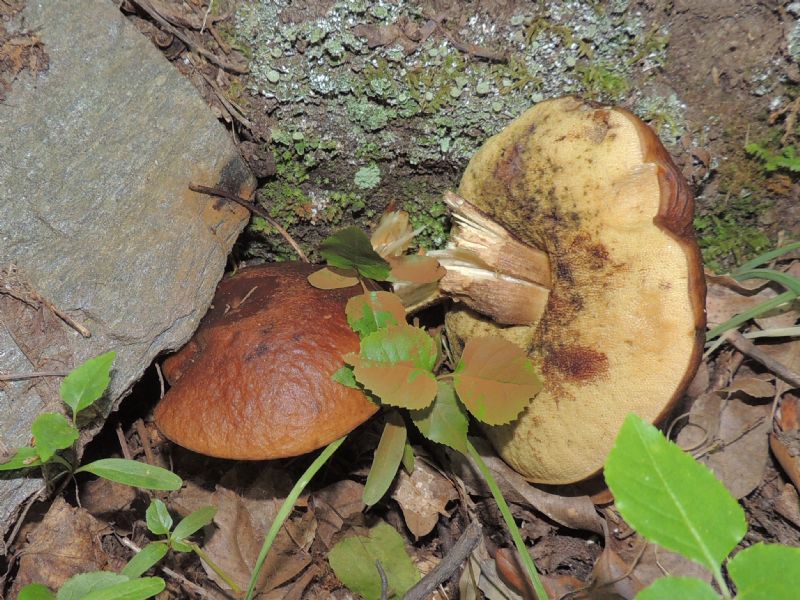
(252, 208)
(20, 376)
(450, 563)
(384, 580)
(144, 439)
(169, 572)
(747, 348)
(123, 443)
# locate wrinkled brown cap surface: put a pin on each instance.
(623, 326)
(255, 381)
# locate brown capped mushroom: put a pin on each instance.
(611, 273)
(255, 380)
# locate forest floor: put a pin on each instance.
(343, 107)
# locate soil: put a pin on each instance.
(729, 71)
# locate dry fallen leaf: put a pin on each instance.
(730, 437)
(422, 497)
(333, 505)
(65, 543)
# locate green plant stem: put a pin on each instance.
(286, 509)
(214, 567)
(524, 555)
(750, 314)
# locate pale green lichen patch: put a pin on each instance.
(399, 98)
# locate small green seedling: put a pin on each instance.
(160, 522)
(53, 433)
(396, 364)
(677, 503)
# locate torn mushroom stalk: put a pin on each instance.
(573, 238)
(255, 380)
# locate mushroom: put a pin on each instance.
(610, 268)
(255, 380)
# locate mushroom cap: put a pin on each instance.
(255, 380)
(623, 326)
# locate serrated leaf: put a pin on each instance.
(135, 589)
(52, 432)
(87, 382)
(331, 278)
(416, 268)
(444, 421)
(678, 588)
(134, 473)
(766, 572)
(193, 522)
(350, 248)
(353, 561)
(79, 586)
(395, 364)
(25, 458)
(145, 559)
(345, 376)
(671, 499)
(374, 310)
(36, 591)
(386, 461)
(159, 521)
(495, 380)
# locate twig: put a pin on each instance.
(12, 284)
(252, 207)
(21, 518)
(739, 342)
(169, 572)
(450, 563)
(144, 440)
(145, 6)
(384, 580)
(123, 443)
(20, 376)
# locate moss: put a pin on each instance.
(729, 233)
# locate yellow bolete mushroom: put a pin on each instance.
(573, 237)
(255, 380)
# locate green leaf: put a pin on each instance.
(669, 498)
(36, 591)
(345, 376)
(87, 382)
(675, 588)
(350, 248)
(408, 458)
(766, 572)
(159, 521)
(387, 458)
(179, 546)
(79, 586)
(134, 473)
(353, 561)
(25, 458)
(444, 421)
(192, 522)
(145, 559)
(373, 311)
(495, 380)
(135, 589)
(52, 432)
(395, 364)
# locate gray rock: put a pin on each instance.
(95, 158)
